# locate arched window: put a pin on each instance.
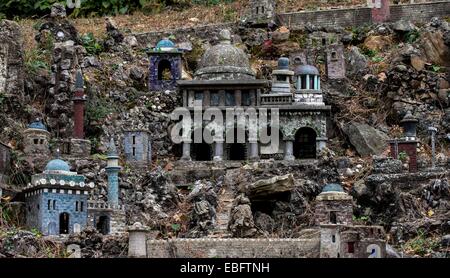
(305, 143)
(164, 70)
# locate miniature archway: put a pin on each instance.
(64, 223)
(237, 150)
(164, 70)
(201, 151)
(305, 143)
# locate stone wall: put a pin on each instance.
(205, 32)
(11, 58)
(234, 248)
(361, 16)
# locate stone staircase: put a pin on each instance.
(226, 198)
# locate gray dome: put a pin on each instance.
(306, 69)
(224, 62)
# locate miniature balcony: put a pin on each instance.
(276, 99)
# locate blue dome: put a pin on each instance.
(57, 165)
(165, 43)
(306, 69)
(37, 125)
(333, 187)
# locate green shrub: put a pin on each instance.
(91, 44)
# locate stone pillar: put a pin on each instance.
(218, 151)
(137, 242)
(206, 98)
(289, 150)
(254, 151)
(318, 83)
(308, 84)
(186, 151)
(238, 97)
(299, 83)
(79, 100)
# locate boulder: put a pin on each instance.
(445, 241)
(241, 222)
(264, 189)
(403, 26)
(434, 48)
(281, 34)
(366, 139)
(386, 165)
(377, 43)
(417, 62)
(356, 62)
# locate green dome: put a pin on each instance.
(57, 165)
(332, 187)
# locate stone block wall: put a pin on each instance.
(137, 147)
(361, 16)
(410, 148)
(233, 248)
(11, 58)
(343, 210)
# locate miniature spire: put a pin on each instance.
(225, 36)
(112, 150)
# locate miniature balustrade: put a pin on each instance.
(92, 204)
(275, 99)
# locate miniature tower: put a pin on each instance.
(165, 66)
(79, 100)
(335, 62)
(36, 139)
(334, 206)
(408, 143)
(137, 146)
(112, 170)
(261, 12)
(308, 85)
(281, 82)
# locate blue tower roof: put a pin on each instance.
(165, 43)
(57, 165)
(283, 63)
(37, 125)
(306, 69)
(333, 187)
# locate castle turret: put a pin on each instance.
(112, 171)
(79, 100)
(281, 82)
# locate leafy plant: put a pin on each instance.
(403, 156)
(422, 245)
(435, 68)
(377, 59)
(91, 44)
(369, 52)
(412, 36)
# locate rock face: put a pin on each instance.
(366, 139)
(241, 219)
(263, 189)
(434, 48)
(377, 42)
(11, 58)
(386, 165)
(356, 63)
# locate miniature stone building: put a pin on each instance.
(408, 143)
(339, 238)
(36, 139)
(334, 206)
(260, 12)
(225, 80)
(165, 66)
(335, 62)
(137, 147)
(56, 200)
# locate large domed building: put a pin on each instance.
(226, 81)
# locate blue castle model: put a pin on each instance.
(57, 200)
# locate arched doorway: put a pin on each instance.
(64, 223)
(201, 151)
(103, 224)
(236, 149)
(305, 143)
(164, 70)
